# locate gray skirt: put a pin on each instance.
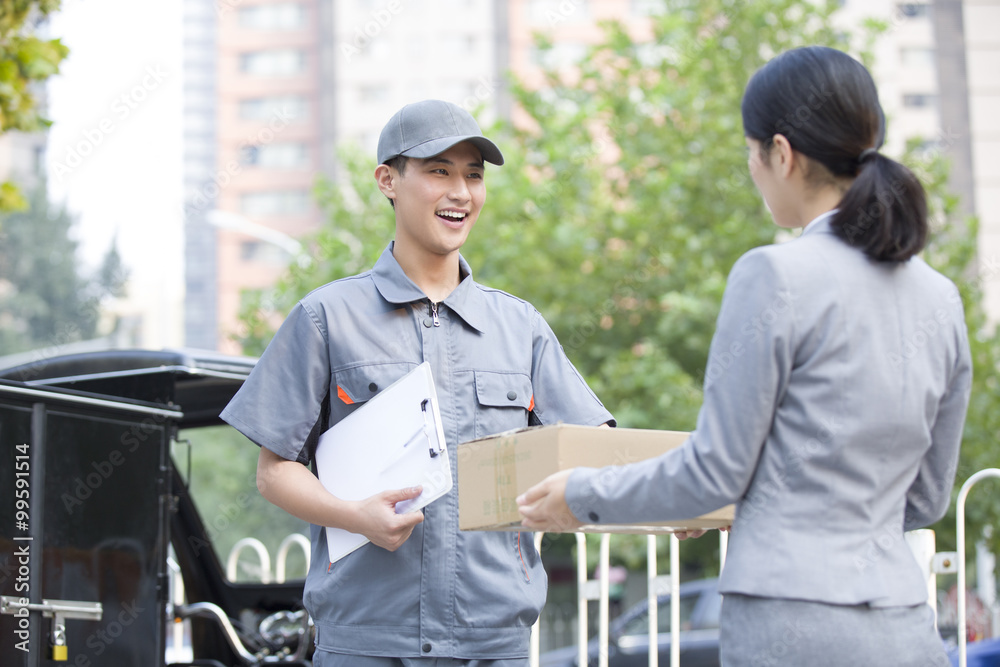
(766, 632)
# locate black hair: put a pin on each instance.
(825, 103)
(399, 164)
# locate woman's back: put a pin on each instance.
(870, 350)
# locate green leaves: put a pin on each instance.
(626, 200)
(25, 60)
(45, 298)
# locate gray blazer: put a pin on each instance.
(835, 395)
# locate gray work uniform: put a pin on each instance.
(494, 359)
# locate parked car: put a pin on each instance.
(628, 635)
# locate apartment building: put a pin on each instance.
(273, 87)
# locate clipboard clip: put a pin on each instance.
(428, 430)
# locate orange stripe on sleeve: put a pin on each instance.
(532, 405)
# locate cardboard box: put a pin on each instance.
(493, 471)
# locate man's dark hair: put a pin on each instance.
(399, 164)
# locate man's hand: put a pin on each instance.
(379, 522)
(292, 487)
(543, 507)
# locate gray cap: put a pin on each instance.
(429, 128)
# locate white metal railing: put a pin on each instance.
(294, 539)
(960, 539)
(262, 554)
(176, 649)
(599, 589)
(291, 540)
(921, 542)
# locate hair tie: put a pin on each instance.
(866, 154)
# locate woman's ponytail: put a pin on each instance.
(884, 212)
(826, 104)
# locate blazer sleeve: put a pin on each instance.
(928, 497)
(749, 364)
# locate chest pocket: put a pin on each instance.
(504, 400)
(352, 387)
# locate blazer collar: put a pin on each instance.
(396, 287)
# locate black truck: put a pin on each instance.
(131, 531)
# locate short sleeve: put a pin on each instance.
(560, 392)
(280, 402)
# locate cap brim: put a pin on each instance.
(487, 148)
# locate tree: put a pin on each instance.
(624, 203)
(45, 297)
(24, 60)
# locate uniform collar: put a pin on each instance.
(396, 287)
(820, 224)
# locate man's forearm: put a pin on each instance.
(292, 487)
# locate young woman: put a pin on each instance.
(835, 394)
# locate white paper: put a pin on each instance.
(386, 444)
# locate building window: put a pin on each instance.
(914, 10)
(285, 202)
(290, 107)
(263, 253)
(919, 101)
(273, 63)
(273, 17)
(918, 58)
(275, 156)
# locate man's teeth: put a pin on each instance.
(451, 214)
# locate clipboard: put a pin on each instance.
(393, 441)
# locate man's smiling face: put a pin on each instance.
(438, 199)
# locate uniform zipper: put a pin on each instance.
(434, 314)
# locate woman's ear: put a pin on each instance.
(386, 177)
(783, 156)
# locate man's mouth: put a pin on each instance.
(452, 217)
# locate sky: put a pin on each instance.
(114, 153)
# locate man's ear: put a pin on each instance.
(385, 177)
